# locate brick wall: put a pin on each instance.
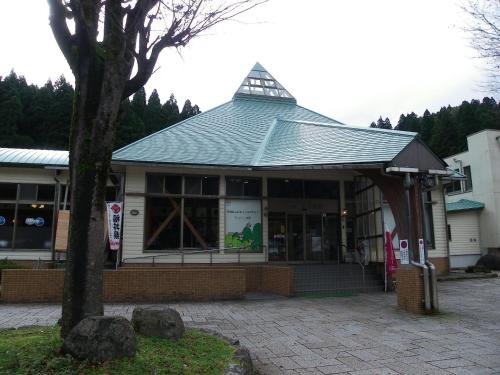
(277, 280)
(131, 285)
(155, 284)
(410, 289)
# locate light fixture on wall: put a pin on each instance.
(344, 212)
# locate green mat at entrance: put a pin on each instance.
(327, 294)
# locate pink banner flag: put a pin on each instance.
(391, 264)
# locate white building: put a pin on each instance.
(473, 205)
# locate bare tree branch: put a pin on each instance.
(484, 31)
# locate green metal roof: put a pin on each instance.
(464, 205)
(17, 156)
(264, 129)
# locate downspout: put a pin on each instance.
(427, 288)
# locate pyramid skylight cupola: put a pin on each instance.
(259, 83)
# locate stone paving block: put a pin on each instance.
(365, 333)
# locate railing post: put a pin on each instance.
(239, 255)
(211, 254)
(182, 258)
(153, 261)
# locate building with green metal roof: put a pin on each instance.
(257, 179)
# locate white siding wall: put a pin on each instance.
(440, 231)
(464, 233)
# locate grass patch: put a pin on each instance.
(327, 294)
(36, 351)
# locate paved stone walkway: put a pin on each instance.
(358, 335)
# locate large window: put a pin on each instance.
(310, 189)
(243, 187)
(182, 212)
(454, 186)
(468, 182)
(26, 216)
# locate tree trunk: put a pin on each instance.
(98, 93)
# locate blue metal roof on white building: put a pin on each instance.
(17, 156)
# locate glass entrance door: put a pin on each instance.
(314, 238)
(303, 237)
(331, 238)
(277, 236)
(295, 237)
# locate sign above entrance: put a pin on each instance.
(404, 255)
(243, 220)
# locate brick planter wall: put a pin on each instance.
(410, 289)
(154, 284)
(277, 280)
(131, 285)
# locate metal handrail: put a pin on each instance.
(183, 253)
(360, 260)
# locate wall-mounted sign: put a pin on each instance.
(421, 250)
(134, 212)
(404, 254)
(2, 220)
(243, 224)
(114, 210)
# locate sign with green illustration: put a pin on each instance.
(243, 225)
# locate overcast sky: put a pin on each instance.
(351, 60)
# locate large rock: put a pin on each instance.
(158, 322)
(490, 262)
(101, 338)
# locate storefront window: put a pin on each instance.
(243, 187)
(33, 226)
(184, 221)
(203, 228)
(7, 214)
(163, 223)
(285, 188)
(8, 192)
(26, 218)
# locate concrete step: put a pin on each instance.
(336, 277)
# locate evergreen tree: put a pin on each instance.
(138, 104)
(188, 110)
(426, 126)
(33, 117)
(153, 118)
(10, 114)
(131, 128)
(170, 111)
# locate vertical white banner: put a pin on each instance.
(114, 210)
(404, 255)
(421, 250)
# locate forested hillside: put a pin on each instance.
(446, 130)
(39, 117)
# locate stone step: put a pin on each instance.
(333, 277)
